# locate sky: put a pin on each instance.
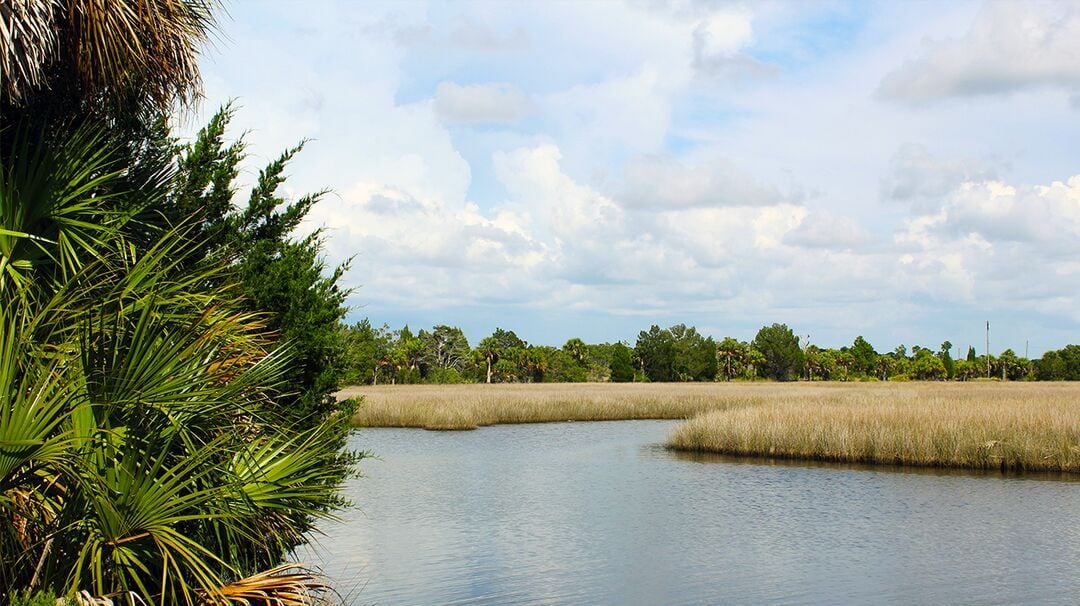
(905, 171)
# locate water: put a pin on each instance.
(599, 513)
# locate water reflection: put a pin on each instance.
(599, 513)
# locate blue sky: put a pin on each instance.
(903, 171)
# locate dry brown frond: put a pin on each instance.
(83, 598)
(149, 43)
(285, 585)
(28, 43)
(112, 46)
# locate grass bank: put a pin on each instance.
(1017, 426)
(472, 406)
(1031, 426)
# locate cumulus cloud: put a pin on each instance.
(917, 177)
(627, 184)
(1010, 47)
(827, 231)
(457, 104)
(624, 113)
(993, 241)
(662, 181)
(1045, 214)
(473, 34)
(718, 41)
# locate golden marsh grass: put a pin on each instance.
(472, 406)
(1019, 426)
(1034, 426)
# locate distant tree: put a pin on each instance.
(1059, 365)
(694, 356)
(1008, 365)
(489, 351)
(755, 360)
(563, 368)
(885, 367)
(598, 362)
(971, 356)
(865, 358)
(409, 356)
(507, 339)
(363, 349)
(655, 351)
(946, 359)
(780, 348)
(963, 370)
(812, 362)
(926, 366)
(731, 356)
(505, 370)
(622, 365)
(446, 347)
(846, 361)
(577, 350)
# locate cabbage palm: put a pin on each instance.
(121, 49)
(138, 452)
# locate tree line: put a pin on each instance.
(443, 354)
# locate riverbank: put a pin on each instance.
(458, 407)
(1029, 426)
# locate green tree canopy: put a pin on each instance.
(780, 348)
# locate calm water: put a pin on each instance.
(598, 513)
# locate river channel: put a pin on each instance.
(600, 513)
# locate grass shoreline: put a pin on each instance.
(1007, 426)
(464, 407)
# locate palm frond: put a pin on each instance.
(53, 213)
(114, 48)
(152, 44)
(28, 44)
(285, 585)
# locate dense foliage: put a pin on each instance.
(679, 353)
(163, 430)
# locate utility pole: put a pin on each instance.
(988, 349)
(1026, 343)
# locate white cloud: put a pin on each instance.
(617, 115)
(1010, 47)
(991, 241)
(725, 32)
(1047, 215)
(661, 181)
(718, 40)
(500, 102)
(919, 178)
(633, 183)
(826, 231)
(473, 34)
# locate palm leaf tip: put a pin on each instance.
(285, 585)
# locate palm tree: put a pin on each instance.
(139, 451)
(121, 50)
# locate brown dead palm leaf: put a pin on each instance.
(28, 37)
(112, 47)
(285, 585)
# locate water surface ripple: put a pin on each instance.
(598, 513)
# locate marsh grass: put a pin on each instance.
(472, 406)
(1020, 426)
(1016, 426)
